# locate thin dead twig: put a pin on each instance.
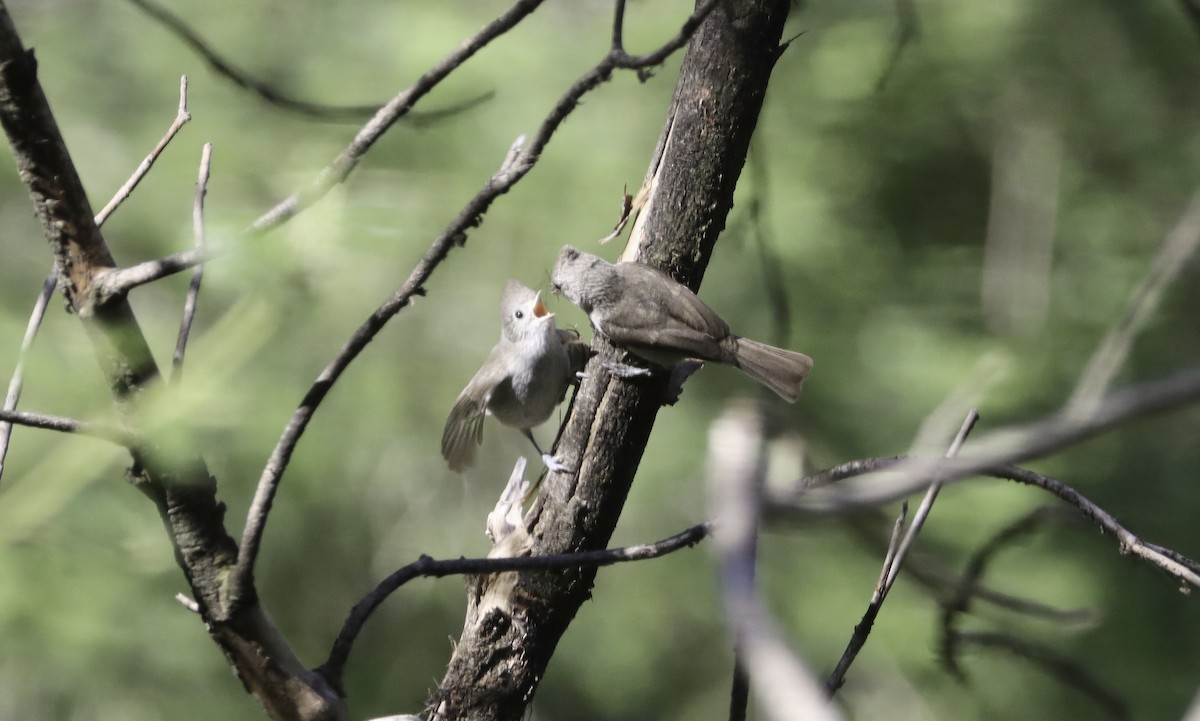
(1178, 248)
(15, 385)
(182, 116)
(893, 560)
(68, 425)
(193, 293)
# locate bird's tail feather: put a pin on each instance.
(783, 371)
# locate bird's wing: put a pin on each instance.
(671, 316)
(464, 425)
(578, 352)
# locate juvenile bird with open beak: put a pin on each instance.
(523, 379)
(660, 320)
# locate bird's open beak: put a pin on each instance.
(539, 308)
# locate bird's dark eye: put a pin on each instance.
(519, 314)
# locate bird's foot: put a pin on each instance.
(680, 373)
(555, 465)
(625, 371)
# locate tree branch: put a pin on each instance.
(193, 292)
(891, 481)
(517, 164)
(13, 396)
(430, 568)
(893, 561)
(182, 117)
(68, 425)
(1174, 563)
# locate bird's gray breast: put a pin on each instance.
(537, 384)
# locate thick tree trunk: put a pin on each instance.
(514, 621)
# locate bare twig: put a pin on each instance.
(786, 688)
(13, 396)
(1177, 564)
(863, 629)
(910, 536)
(1172, 259)
(517, 163)
(1031, 440)
(267, 92)
(182, 116)
(193, 293)
(68, 425)
(893, 560)
(428, 567)
(396, 108)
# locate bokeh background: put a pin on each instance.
(979, 209)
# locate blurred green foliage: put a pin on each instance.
(880, 205)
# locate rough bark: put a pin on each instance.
(180, 486)
(514, 621)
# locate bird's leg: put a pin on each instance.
(551, 462)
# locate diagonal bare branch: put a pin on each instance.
(1171, 260)
(182, 117)
(430, 568)
(13, 396)
(193, 293)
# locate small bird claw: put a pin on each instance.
(555, 465)
(624, 371)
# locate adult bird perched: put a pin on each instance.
(523, 379)
(648, 313)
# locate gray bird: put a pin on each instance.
(648, 313)
(523, 379)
